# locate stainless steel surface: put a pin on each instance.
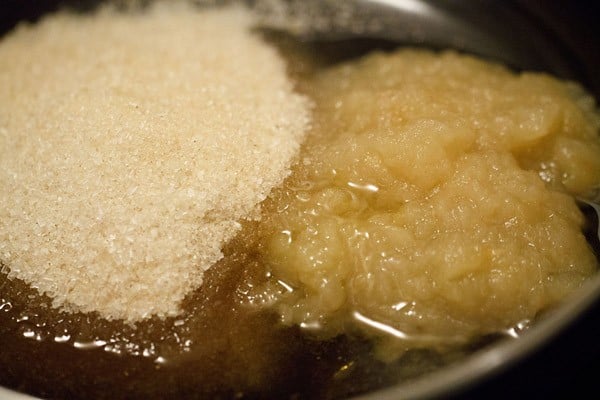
(513, 32)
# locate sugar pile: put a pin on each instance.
(131, 145)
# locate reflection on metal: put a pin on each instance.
(411, 6)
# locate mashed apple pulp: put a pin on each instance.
(434, 201)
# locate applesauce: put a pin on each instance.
(433, 202)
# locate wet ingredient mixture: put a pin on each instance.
(434, 201)
(430, 210)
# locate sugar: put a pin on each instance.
(131, 145)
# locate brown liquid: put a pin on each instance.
(219, 348)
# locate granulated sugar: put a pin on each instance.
(131, 144)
